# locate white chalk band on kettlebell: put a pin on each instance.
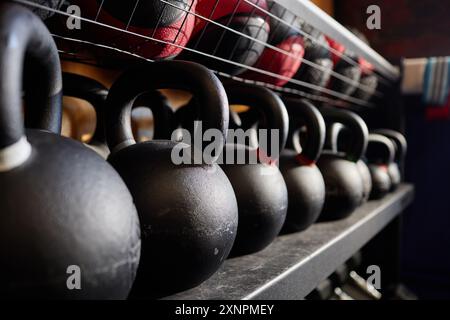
(15, 155)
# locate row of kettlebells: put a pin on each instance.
(290, 198)
(231, 36)
(138, 223)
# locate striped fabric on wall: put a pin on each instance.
(436, 81)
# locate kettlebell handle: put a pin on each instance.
(302, 112)
(355, 124)
(163, 115)
(26, 46)
(92, 91)
(400, 142)
(269, 105)
(212, 100)
(380, 149)
(332, 136)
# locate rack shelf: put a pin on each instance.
(293, 265)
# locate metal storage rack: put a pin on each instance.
(77, 46)
(316, 17)
(294, 264)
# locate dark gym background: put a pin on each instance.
(417, 29)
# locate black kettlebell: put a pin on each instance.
(188, 211)
(343, 183)
(92, 91)
(95, 93)
(380, 154)
(401, 147)
(366, 178)
(259, 186)
(305, 184)
(247, 120)
(164, 121)
(64, 211)
(338, 139)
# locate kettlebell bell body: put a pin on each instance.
(65, 211)
(343, 186)
(381, 181)
(401, 147)
(343, 182)
(188, 211)
(215, 40)
(262, 202)
(364, 171)
(285, 38)
(340, 138)
(259, 187)
(305, 184)
(170, 24)
(380, 154)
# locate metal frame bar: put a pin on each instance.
(315, 16)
